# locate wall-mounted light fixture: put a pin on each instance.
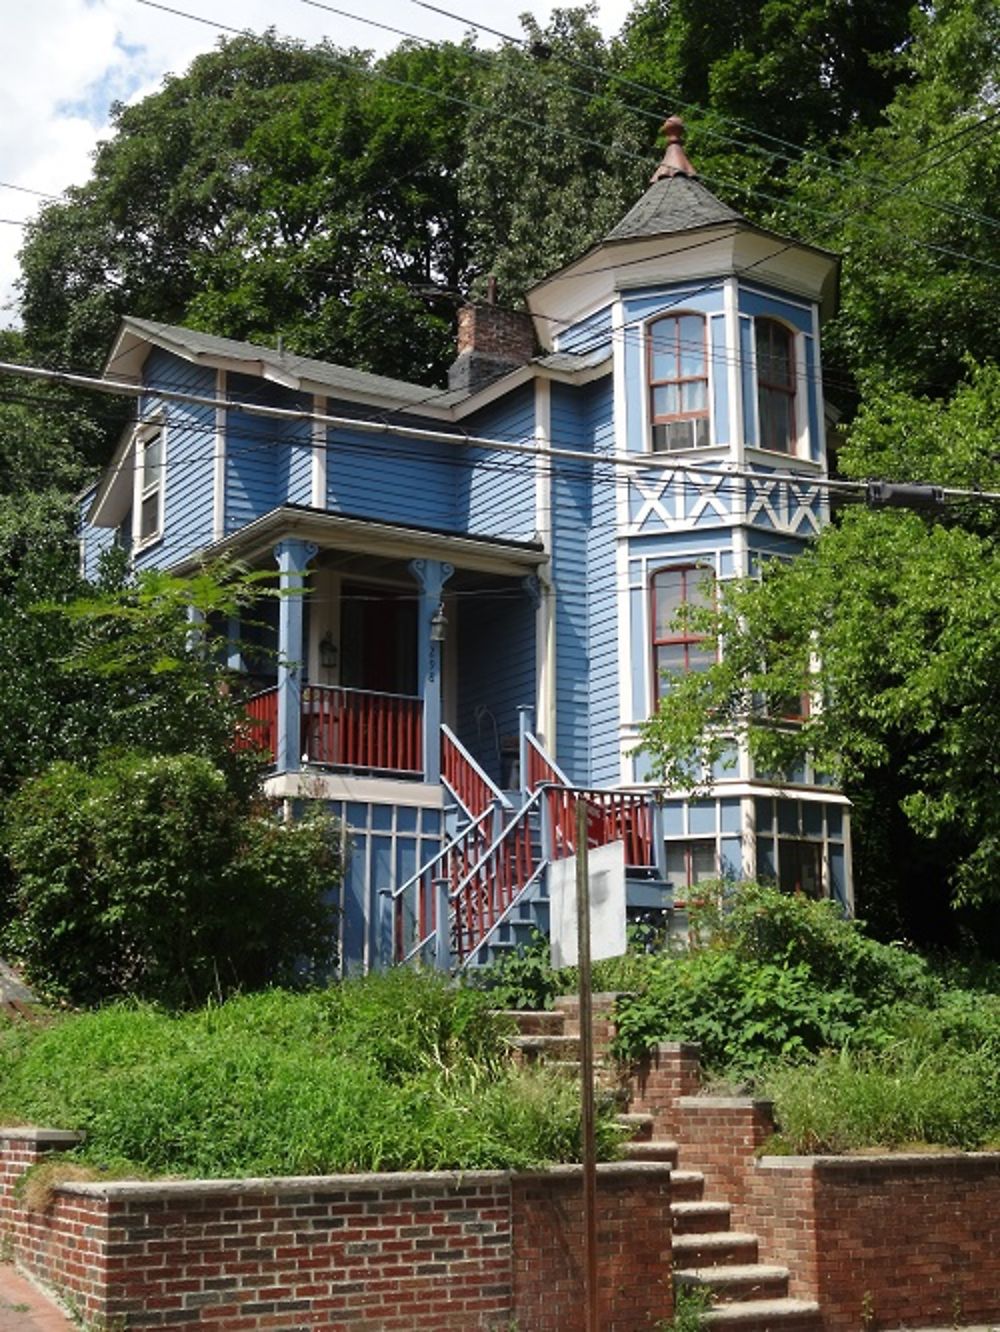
(328, 652)
(439, 624)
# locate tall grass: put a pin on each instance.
(391, 1073)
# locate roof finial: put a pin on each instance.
(675, 162)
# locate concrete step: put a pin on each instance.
(714, 1250)
(686, 1185)
(737, 1282)
(547, 1047)
(532, 1022)
(700, 1218)
(764, 1316)
(641, 1125)
(652, 1149)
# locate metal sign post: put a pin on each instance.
(589, 1151)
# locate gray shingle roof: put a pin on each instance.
(301, 368)
(675, 203)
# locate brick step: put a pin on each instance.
(548, 1047)
(736, 1283)
(532, 1022)
(714, 1250)
(686, 1185)
(700, 1218)
(641, 1125)
(764, 1316)
(651, 1149)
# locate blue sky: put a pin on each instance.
(63, 62)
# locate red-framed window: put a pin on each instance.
(677, 370)
(677, 646)
(689, 863)
(775, 347)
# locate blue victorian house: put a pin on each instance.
(483, 580)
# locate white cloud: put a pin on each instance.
(65, 61)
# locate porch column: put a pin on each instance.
(431, 576)
(292, 556)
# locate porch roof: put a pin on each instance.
(335, 531)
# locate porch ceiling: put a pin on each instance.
(350, 536)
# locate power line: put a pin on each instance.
(531, 447)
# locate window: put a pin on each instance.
(800, 867)
(775, 385)
(149, 463)
(689, 863)
(678, 383)
(680, 647)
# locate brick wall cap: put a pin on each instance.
(25, 1133)
(605, 1170)
(432, 1181)
(604, 998)
(678, 1047)
(886, 1163)
(724, 1103)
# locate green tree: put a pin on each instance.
(272, 189)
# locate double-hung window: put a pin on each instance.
(679, 646)
(678, 383)
(149, 465)
(775, 348)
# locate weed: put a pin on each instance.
(691, 1303)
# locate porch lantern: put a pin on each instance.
(439, 624)
(328, 652)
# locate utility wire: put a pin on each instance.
(530, 448)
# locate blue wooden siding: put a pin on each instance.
(587, 335)
(94, 541)
(295, 454)
(602, 592)
(757, 301)
(496, 674)
(189, 455)
(572, 500)
(495, 490)
(390, 478)
(253, 444)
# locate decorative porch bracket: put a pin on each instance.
(292, 556)
(431, 576)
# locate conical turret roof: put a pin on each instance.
(676, 199)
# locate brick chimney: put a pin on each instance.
(491, 342)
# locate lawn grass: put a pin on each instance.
(394, 1072)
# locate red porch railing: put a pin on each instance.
(260, 727)
(612, 816)
(485, 894)
(345, 728)
(465, 777)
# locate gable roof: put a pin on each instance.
(672, 204)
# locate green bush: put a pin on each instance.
(389, 1073)
(150, 876)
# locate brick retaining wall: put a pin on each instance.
(441, 1251)
(885, 1241)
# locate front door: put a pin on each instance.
(378, 637)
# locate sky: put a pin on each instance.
(63, 63)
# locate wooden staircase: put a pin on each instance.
(747, 1294)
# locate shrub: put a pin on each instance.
(151, 876)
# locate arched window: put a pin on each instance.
(680, 647)
(775, 385)
(678, 382)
